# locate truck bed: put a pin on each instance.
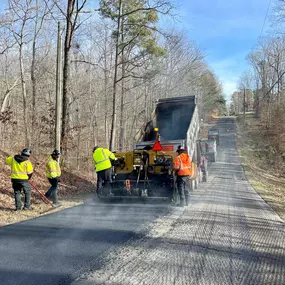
(173, 117)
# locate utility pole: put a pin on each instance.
(244, 106)
(58, 90)
(238, 94)
(244, 102)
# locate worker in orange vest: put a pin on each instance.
(183, 170)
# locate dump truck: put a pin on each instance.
(215, 135)
(209, 149)
(146, 171)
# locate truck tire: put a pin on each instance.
(201, 174)
(196, 182)
(192, 185)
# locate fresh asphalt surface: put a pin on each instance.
(227, 235)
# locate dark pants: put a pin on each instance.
(104, 180)
(52, 191)
(183, 189)
(18, 187)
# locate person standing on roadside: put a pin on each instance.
(53, 174)
(183, 170)
(21, 172)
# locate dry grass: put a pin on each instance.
(74, 189)
(262, 162)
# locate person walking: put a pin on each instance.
(102, 158)
(21, 172)
(53, 174)
(183, 169)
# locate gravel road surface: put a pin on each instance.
(227, 235)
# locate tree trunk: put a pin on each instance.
(6, 96)
(24, 95)
(122, 111)
(33, 77)
(106, 91)
(122, 127)
(66, 73)
(114, 101)
(146, 106)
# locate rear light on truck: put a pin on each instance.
(168, 148)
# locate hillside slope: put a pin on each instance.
(73, 190)
(262, 161)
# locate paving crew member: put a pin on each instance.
(53, 174)
(102, 159)
(21, 172)
(183, 169)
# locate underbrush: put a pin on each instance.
(73, 190)
(262, 156)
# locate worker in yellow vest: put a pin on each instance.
(102, 159)
(21, 172)
(53, 174)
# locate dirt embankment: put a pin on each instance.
(263, 161)
(74, 189)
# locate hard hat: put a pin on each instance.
(180, 149)
(56, 152)
(26, 151)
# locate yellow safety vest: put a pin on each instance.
(19, 170)
(52, 168)
(101, 157)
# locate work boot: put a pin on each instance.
(186, 202)
(26, 209)
(56, 205)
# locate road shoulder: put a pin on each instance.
(253, 150)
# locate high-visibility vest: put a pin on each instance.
(19, 170)
(52, 168)
(101, 157)
(182, 164)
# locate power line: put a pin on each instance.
(263, 25)
(265, 18)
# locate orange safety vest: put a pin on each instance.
(182, 164)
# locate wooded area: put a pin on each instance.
(265, 85)
(118, 58)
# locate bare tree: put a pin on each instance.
(73, 9)
(21, 15)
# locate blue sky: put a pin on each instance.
(3, 5)
(226, 30)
